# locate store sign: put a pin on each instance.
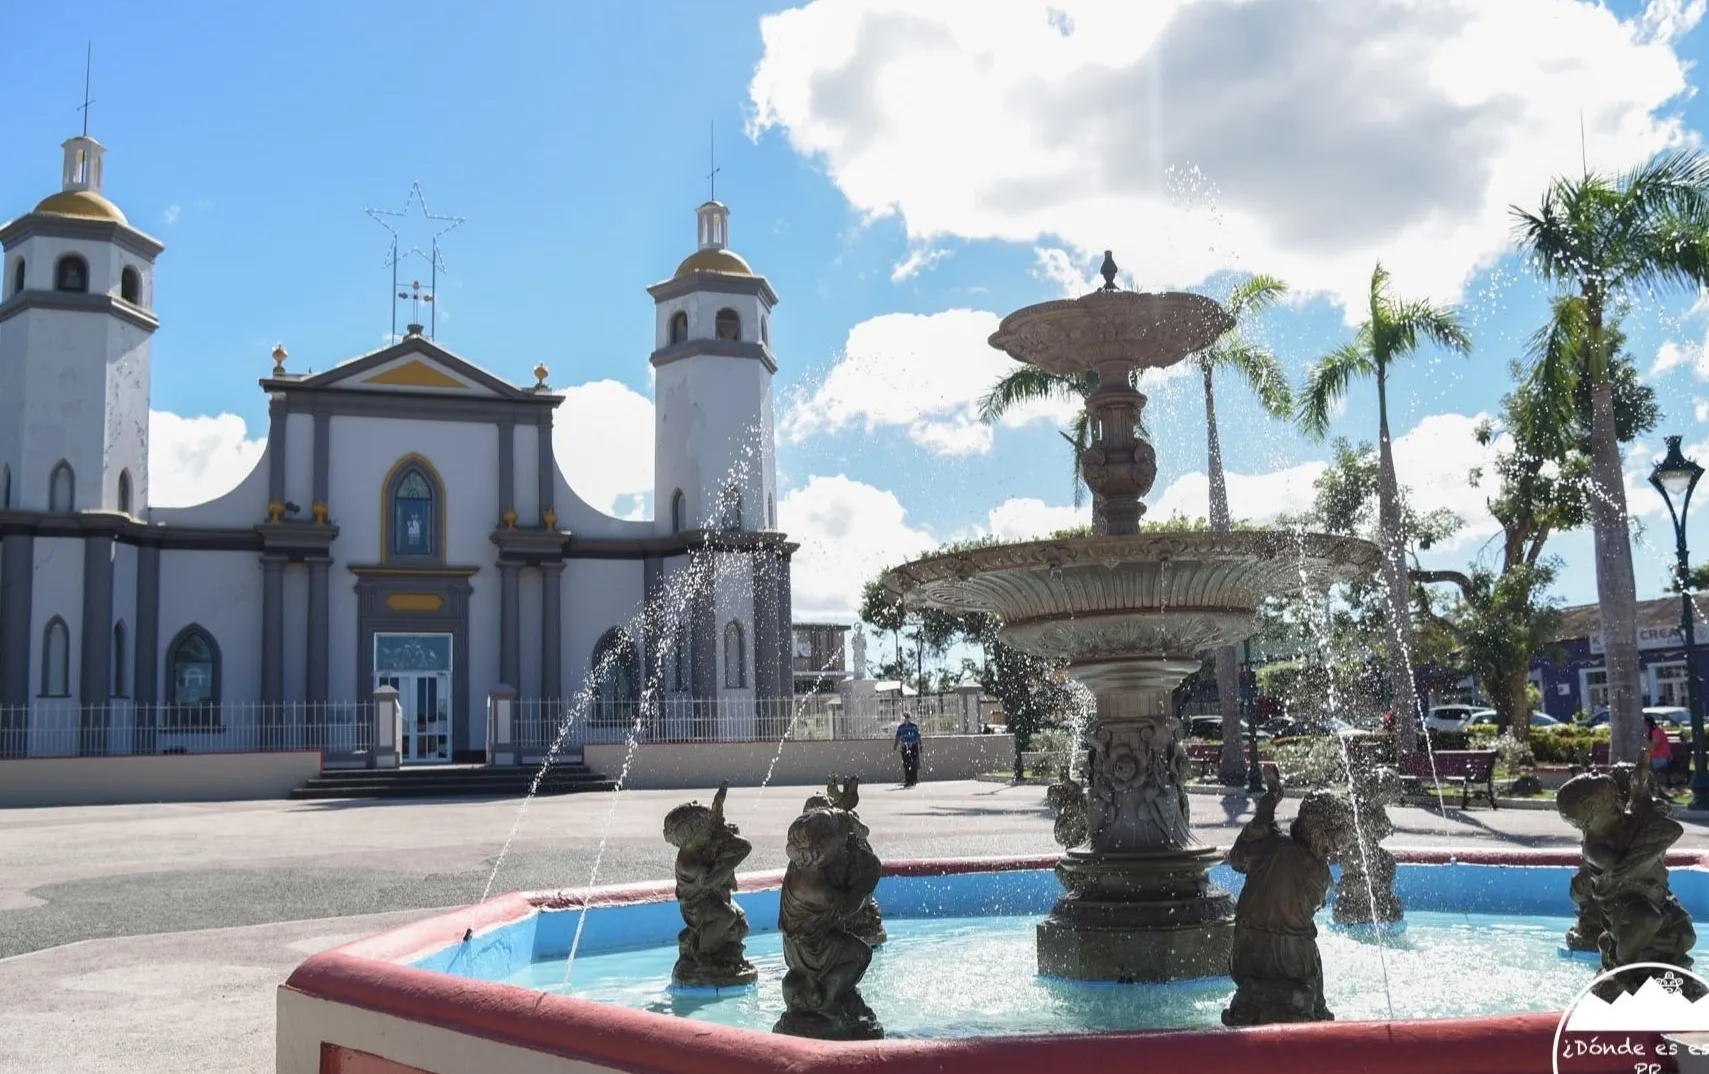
(1656, 637)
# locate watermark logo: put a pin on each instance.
(1640, 1018)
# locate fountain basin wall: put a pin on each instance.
(421, 1000)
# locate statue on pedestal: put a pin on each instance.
(710, 950)
(832, 873)
(859, 656)
(1068, 798)
(1365, 893)
(1277, 971)
(1621, 889)
(868, 922)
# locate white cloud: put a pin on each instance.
(1023, 518)
(919, 259)
(603, 437)
(923, 373)
(1251, 497)
(1669, 356)
(193, 460)
(1700, 409)
(171, 214)
(1193, 136)
(849, 531)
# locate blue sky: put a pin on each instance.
(991, 149)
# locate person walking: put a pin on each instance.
(1661, 745)
(908, 745)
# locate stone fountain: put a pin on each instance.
(1129, 613)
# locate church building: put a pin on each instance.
(407, 525)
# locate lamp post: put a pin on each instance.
(1249, 710)
(1675, 477)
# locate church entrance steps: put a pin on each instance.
(451, 781)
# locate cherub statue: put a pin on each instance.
(710, 949)
(868, 924)
(1365, 893)
(1622, 886)
(832, 873)
(1068, 798)
(1277, 971)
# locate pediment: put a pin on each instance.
(415, 366)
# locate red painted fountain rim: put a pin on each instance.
(371, 974)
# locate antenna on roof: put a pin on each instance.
(88, 62)
(712, 159)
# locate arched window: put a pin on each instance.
(616, 673)
(61, 489)
(130, 285)
(731, 508)
(415, 510)
(5, 487)
(18, 275)
(121, 662)
(679, 327)
(770, 511)
(728, 324)
(125, 491)
(765, 329)
(679, 512)
(71, 274)
(680, 659)
(735, 656)
(56, 659)
(192, 681)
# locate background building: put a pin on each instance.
(1577, 678)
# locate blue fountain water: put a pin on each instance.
(1481, 939)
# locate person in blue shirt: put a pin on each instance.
(908, 744)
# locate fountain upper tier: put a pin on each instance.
(1097, 600)
(1123, 329)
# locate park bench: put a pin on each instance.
(1473, 771)
(1206, 758)
(1676, 774)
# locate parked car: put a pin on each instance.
(1670, 715)
(1449, 717)
(1342, 729)
(1210, 727)
(1486, 717)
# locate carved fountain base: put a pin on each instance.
(1137, 902)
(1137, 917)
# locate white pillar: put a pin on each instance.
(388, 728)
(501, 724)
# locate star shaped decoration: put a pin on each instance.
(395, 252)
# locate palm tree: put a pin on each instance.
(1599, 238)
(1394, 329)
(1259, 368)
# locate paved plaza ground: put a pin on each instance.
(142, 939)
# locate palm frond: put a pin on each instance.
(1029, 384)
(1260, 369)
(1253, 296)
(1326, 384)
(1560, 354)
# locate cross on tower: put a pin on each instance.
(88, 61)
(416, 298)
(712, 157)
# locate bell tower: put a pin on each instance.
(76, 306)
(715, 462)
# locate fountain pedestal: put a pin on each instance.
(1128, 612)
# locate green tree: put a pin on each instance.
(1394, 329)
(1263, 374)
(1602, 239)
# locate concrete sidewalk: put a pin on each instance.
(139, 939)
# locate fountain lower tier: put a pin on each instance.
(1137, 917)
(1128, 615)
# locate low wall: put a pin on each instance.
(169, 777)
(691, 765)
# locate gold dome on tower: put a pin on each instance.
(84, 203)
(712, 221)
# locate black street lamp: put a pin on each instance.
(1675, 477)
(1249, 710)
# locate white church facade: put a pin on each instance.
(408, 524)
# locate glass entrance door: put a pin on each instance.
(418, 666)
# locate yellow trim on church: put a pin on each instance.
(416, 374)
